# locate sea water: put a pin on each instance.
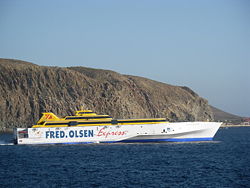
(224, 162)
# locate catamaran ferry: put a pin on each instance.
(88, 127)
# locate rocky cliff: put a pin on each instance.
(27, 90)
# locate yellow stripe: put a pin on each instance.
(108, 124)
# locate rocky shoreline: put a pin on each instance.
(223, 126)
(2, 131)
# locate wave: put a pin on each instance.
(4, 143)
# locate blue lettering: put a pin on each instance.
(85, 133)
(52, 134)
(81, 133)
(62, 134)
(47, 134)
(91, 133)
(76, 134)
(57, 134)
(71, 134)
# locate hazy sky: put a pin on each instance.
(202, 44)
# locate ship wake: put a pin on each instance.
(5, 143)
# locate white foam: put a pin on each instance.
(3, 143)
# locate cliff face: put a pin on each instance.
(27, 90)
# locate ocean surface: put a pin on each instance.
(224, 162)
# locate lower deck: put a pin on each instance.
(185, 131)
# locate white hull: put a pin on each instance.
(183, 131)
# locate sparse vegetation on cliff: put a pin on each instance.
(27, 90)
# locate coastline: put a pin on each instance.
(223, 126)
(6, 130)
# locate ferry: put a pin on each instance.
(88, 127)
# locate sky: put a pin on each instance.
(201, 44)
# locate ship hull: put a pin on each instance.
(170, 132)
